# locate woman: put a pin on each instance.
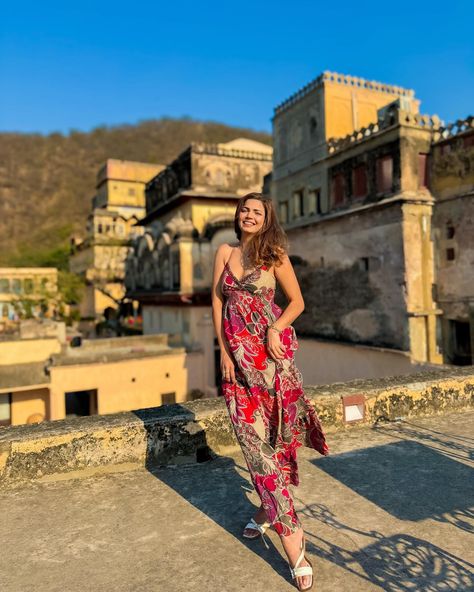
(261, 385)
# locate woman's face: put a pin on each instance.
(252, 216)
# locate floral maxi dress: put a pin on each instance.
(269, 410)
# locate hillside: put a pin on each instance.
(46, 182)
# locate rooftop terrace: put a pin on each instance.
(390, 509)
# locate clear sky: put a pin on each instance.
(77, 65)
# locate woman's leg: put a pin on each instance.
(254, 420)
(292, 546)
(254, 416)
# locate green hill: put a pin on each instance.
(47, 181)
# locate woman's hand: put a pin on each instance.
(227, 367)
(275, 348)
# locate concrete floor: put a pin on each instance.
(391, 509)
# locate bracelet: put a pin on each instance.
(272, 326)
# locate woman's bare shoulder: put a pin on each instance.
(225, 249)
(223, 253)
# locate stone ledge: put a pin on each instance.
(195, 431)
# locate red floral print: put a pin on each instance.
(270, 413)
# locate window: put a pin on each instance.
(468, 141)
(422, 170)
(450, 254)
(338, 188)
(384, 174)
(445, 149)
(81, 403)
(360, 181)
(168, 398)
(175, 270)
(17, 287)
(4, 286)
(99, 228)
(5, 409)
(460, 338)
(131, 191)
(283, 212)
(298, 203)
(450, 230)
(364, 264)
(314, 202)
(28, 286)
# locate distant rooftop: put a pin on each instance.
(238, 148)
(246, 145)
(128, 170)
(93, 351)
(30, 270)
(346, 80)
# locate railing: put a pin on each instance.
(454, 129)
(392, 118)
(346, 80)
(215, 149)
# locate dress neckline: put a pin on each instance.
(245, 276)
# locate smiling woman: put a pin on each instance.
(261, 385)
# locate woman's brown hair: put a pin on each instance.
(269, 246)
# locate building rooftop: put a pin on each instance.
(16, 376)
(29, 270)
(389, 509)
(94, 351)
(346, 80)
(127, 170)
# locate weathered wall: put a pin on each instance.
(199, 429)
(455, 278)
(452, 166)
(23, 351)
(324, 362)
(345, 300)
(230, 175)
(30, 405)
(348, 107)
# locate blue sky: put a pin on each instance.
(70, 65)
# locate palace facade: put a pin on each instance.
(100, 257)
(190, 208)
(377, 201)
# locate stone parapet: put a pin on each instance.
(461, 126)
(219, 150)
(345, 80)
(195, 431)
(393, 118)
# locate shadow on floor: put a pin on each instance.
(397, 563)
(407, 479)
(218, 491)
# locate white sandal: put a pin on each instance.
(305, 570)
(259, 528)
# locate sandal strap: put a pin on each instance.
(256, 526)
(305, 570)
(300, 559)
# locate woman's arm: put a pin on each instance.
(286, 277)
(227, 365)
